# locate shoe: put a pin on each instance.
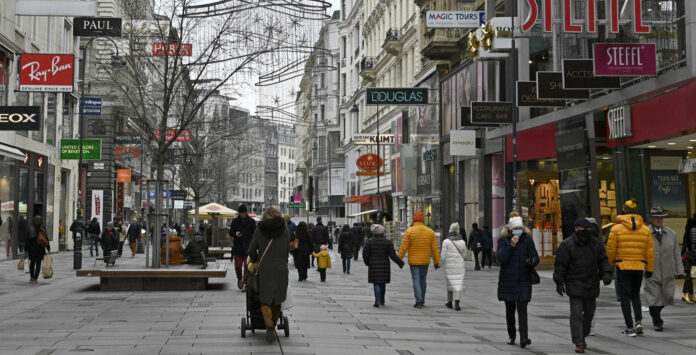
(477, 268)
(687, 298)
(658, 328)
(629, 333)
(239, 284)
(448, 305)
(580, 349)
(348, 272)
(525, 342)
(693, 297)
(381, 303)
(511, 342)
(418, 305)
(456, 306)
(270, 334)
(592, 333)
(376, 305)
(638, 327)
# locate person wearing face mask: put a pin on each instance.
(516, 254)
(581, 262)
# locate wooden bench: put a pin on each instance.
(172, 278)
(218, 253)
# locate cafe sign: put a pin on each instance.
(397, 96)
(97, 26)
(489, 112)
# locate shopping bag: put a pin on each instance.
(20, 266)
(47, 267)
(291, 262)
(469, 255)
(693, 272)
(332, 256)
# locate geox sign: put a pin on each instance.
(20, 118)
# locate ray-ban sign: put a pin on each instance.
(397, 96)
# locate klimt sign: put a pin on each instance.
(46, 72)
(20, 118)
(397, 96)
(625, 59)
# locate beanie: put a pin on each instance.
(630, 206)
(515, 222)
(242, 209)
(323, 247)
(377, 229)
(418, 216)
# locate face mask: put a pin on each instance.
(584, 234)
(517, 232)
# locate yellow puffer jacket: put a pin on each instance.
(420, 242)
(630, 245)
(323, 259)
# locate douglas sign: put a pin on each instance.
(397, 96)
(46, 72)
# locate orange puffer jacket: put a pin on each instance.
(420, 243)
(176, 251)
(630, 245)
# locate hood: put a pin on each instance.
(198, 238)
(454, 236)
(630, 221)
(273, 228)
(506, 232)
(174, 238)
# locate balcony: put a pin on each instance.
(392, 41)
(442, 43)
(367, 68)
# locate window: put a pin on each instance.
(34, 35)
(49, 33)
(38, 100)
(67, 38)
(323, 113)
(322, 80)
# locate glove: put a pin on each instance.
(529, 261)
(437, 266)
(401, 266)
(560, 289)
(648, 275)
(252, 267)
(606, 279)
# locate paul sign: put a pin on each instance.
(46, 72)
(397, 96)
(97, 26)
(20, 118)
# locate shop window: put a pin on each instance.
(50, 200)
(7, 203)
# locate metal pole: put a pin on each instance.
(379, 197)
(514, 111)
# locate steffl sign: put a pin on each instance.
(397, 96)
(619, 122)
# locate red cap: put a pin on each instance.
(418, 216)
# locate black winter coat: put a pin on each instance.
(134, 231)
(476, 239)
(273, 269)
(513, 281)
(487, 241)
(689, 244)
(376, 254)
(93, 228)
(193, 250)
(109, 241)
(303, 251)
(356, 234)
(579, 265)
(320, 235)
(345, 245)
(35, 251)
(246, 226)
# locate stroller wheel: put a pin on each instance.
(243, 327)
(286, 325)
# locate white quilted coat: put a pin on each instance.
(453, 263)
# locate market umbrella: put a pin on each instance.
(212, 210)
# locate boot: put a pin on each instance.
(693, 298)
(688, 298)
(448, 304)
(456, 306)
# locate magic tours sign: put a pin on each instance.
(570, 23)
(397, 96)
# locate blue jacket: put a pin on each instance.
(514, 284)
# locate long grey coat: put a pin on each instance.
(273, 270)
(659, 289)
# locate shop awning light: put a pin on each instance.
(689, 147)
(692, 140)
(652, 146)
(671, 143)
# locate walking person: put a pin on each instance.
(487, 247)
(376, 254)
(366, 231)
(242, 230)
(689, 258)
(453, 251)
(356, 234)
(421, 244)
(134, 231)
(291, 226)
(36, 249)
(476, 238)
(345, 247)
(630, 247)
(659, 288)
(581, 262)
(268, 251)
(516, 254)
(118, 226)
(94, 231)
(109, 240)
(320, 236)
(323, 261)
(305, 246)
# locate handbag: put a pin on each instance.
(534, 278)
(47, 267)
(20, 266)
(253, 277)
(294, 244)
(467, 257)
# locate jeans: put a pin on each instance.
(34, 268)
(476, 258)
(380, 290)
(93, 243)
(302, 273)
(418, 275)
(581, 315)
(120, 248)
(656, 315)
(688, 282)
(521, 308)
(487, 255)
(356, 252)
(346, 264)
(322, 275)
(240, 261)
(629, 293)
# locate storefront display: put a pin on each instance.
(540, 206)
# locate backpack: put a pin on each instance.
(42, 238)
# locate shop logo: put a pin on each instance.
(20, 118)
(613, 10)
(46, 72)
(369, 162)
(397, 96)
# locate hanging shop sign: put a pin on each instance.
(625, 59)
(488, 112)
(463, 143)
(91, 106)
(397, 96)
(184, 136)
(122, 152)
(550, 86)
(357, 199)
(125, 138)
(97, 26)
(70, 149)
(145, 28)
(174, 156)
(571, 148)
(98, 166)
(369, 165)
(372, 139)
(527, 96)
(172, 49)
(20, 118)
(619, 122)
(455, 19)
(46, 72)
(98, 206)
(297, 205)
(579, 74)
(531, 12)
(56, 8)
(123, 175)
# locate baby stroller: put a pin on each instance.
(254, 317)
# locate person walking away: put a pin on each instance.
(356, 234)
(61, 232)
(242, 229)
(323, 261)
(118, 226)
(36, 249)
(305, 246)
(630, 247)
(487, 247)
(109, 239)
(345, 247)
(192, 252)
(93, 230)
(366, 231)
(689, 258)
(271, 242)
(516, 255)
(659, 288)
(581, 262)
(176, 249)
(133, 233)
(320, 236)
(291, 226)
(476, 243)
(376, 254)
(452, 259)
(420, 243)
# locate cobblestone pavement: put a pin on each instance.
(68, 315)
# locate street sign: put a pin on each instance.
(455, 19)
(372, 139)
(296, 205)
(579, 74)
(397, 96)
(20, 118)
(91, 106)
(490, 112)
(98, 166)
(125, 138)
(178, 194)
(70, 149)
(550, 86)
(97, 26)
(527, 96)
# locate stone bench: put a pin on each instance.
(172, 278)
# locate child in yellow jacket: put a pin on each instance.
(323, 262)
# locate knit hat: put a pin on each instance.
(630, 206)
(418, 216)
(584, 223)
(242, 209)
(323, 247)
(515, 222)
(110, 224)
(377, 229)
(454, 227)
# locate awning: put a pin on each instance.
(363, 213)
(11, 152)
(212, 210)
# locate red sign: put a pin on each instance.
(123, 175)
(46, 72)
(590, 16)
(356, 199)
(369, 173)
(172, 49)
(127, 152)
(369, 162)
(185, 135)
(297, 198)
(625, 59)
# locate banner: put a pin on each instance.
(121, 152)
(98, 206)
(668, 186)
(20, 118)
(123, 175)
(185, 135)
(46, 72)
